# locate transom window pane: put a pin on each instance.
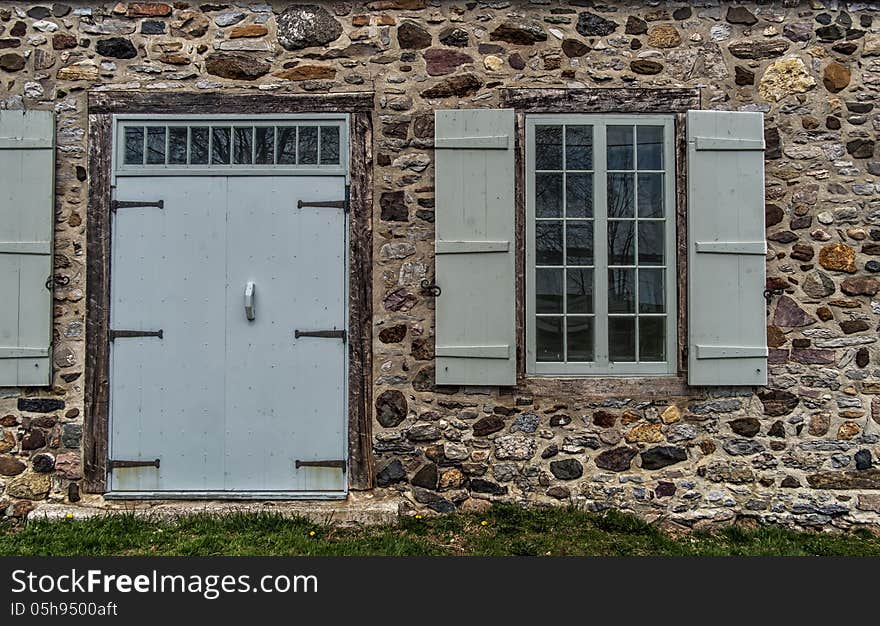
(219, 144)
(600, 299)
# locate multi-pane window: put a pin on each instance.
(600, 245)
(231, 144)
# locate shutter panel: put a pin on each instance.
(474, 225)
(726, 249)
(27, 168)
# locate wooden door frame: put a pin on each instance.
(101, 108)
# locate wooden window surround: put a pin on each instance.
(102, 106)
(621, 101)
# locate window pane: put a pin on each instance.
(578, 194)
(287, 145)
(156, 145)
(548, 290)
(620, 147)
(308, 145)
(652, 339)
(580, 338)
(548, 195)
(198, 150)
(650, 147)
(329, 145)
(620, 195)
(579, 290)
(621, 291)
(134, 146)
(651, 238)
(548, 339)
(548, 147)
(651, 296)
(621, 242)
(220, 146)
(243, 145)
(579, 243)
(622, 338)
(578, 147)
(177, 145)
(265, 138)
(651, 195)
(548, 243)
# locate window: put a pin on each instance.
(231, 145)
(600, 245)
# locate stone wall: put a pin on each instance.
(802, 451)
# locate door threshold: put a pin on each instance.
(226, 495)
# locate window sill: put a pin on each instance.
(610, 386)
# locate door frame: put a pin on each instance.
(102, 107)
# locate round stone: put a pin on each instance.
(391, 408)
(493, 63)
(305, 26)
(836, 77)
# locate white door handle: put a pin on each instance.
(249, 301)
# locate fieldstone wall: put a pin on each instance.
(801, 452)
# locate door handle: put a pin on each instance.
(249, 311)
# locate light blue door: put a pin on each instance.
(228, 405)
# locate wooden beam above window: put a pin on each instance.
(602, 100)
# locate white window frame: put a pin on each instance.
(602, 366)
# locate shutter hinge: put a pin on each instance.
(321, 334)
(131, 204)
(116, 334)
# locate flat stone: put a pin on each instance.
(860, 286)
(567, 469)
(31, 486)
(453, 36)
(811, 356)
(427, 477)
(391, 408)
(10, 465)
(860, 148)
(307, 72)
(662, 456)
(116, 48)
(756, 49)
(785, 77)
(635, 26)
(645, 66)
(393, 207)
(391, 473)
(741, 15)
(725, 472)
(488, 425)
(71, 435)
(798, 31)
(574, 48)
(745, 426)
(480, 485)
(742, 76)
(109, 27)
(248, 30)
(616, 459)
(604, 419)
(559, 492)
(190, 24)
(393, 334)
(789, 315)
(11, 62)
(520, 32)
(818, 284)
(742, 447)
(592, 25)
(68, 465)
(460, 85)
(63, 41)
(236, 66)
(228, 18)
(830, 33)
(515, 447)
(838, 257)
(152, 27)
(38, 12)
(664, 36)
(441, 61)
(836, 77)
(148, 9)
(819, 424)
(644, 432)
(849, 479)
(778, 402)
(411, 36)
(306, 25)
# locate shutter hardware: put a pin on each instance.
(339, 464)
(769, 293)
(113, 464)
(131, 204)
(57, 281)
(322, 334)
(345, 205)
(114, 334)
(431, 288)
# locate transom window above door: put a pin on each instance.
(230, 146)
(600, 245)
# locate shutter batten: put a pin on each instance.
(727, 249)
(474, 264)
(27, 163)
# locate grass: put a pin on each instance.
(504, 530)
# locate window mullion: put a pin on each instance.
(600, 230)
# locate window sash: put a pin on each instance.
(602, 366)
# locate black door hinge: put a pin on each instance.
(345, 205)
(340, 464)
(115, 463)
(321, 334)
(116, 334)
(131, 204)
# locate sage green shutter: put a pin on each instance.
(726, 249)
(474, 222)
(27, 164)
